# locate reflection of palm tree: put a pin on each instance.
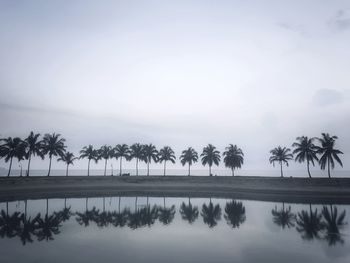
(309, 224)
(333, 225)
(134, 219)
(189, 212)
(28, 226)
(120, 218)
(235, 213)
(211, 214)
(283, 217)
(9, 225)
(48, 226)
(149, 214)
(166, 214)
(88, 216)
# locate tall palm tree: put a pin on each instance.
(120, 151)
(235, 213)
(328, 153)
(233, 157)
(333, 224)
(189, 156)
(280, 155)
(106, 152)
(137, 152)
(309, 224)
(12, 147)
(151, 153)
(189, 212)
(89, 153)
(34, 147)
(211, 214)
(68, 158)
(210, 156)
(305, 150)
(53, 145)
(166, 154)
(283, 217)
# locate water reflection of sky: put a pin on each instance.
(257, 238)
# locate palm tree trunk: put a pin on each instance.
(281, 169)
(67, 170)
(47, 206)
(48, 174)
(233, 172)
(29, 159)
(189, 169)
(164, 167)
(148, 168)
(308, 168)
(209, 170)
(65, 203)
(89, 167)
(137, 166)
(329, 169)
(104, 174)
(120, 169)
(10, 167)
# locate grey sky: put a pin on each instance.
(179, 73)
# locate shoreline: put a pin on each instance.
(271, 189)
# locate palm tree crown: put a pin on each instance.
(280, 155)
(89, 153)
(189, 156)
(233, 157)
(120, 151)
(210, 156)
(151, 153)
(328, 153)
(53, 145)
(12, 147)
(305, 150)
(166, 154)
(34, 147)
(68, 158)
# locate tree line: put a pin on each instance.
(53, 145)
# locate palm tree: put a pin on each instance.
(120, 151)
(280, 155)
(309, 224)
(234, 213)
(106, 152)
(137, 152)
(166, 214)
(333, 225)
(68, 158)
(189, 212)
(12, 147)
(233, 157)
(210, 156)
(305, 150)
(328, 152)
(283, 217)
(91, 154)
(166, 154)
(189, 156)
(53, 145)
(151, 153)
(211, 214)
(34, 147)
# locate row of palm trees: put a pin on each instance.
(305, 150)
(311, 224)
(53, 145)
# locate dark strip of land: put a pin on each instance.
(294, 190)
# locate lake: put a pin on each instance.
(162, 229)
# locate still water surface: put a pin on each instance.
(142, 229)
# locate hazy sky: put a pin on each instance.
(179, 73)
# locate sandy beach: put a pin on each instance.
(298, 190)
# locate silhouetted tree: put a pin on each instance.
(166, 154)
(28, 226)
(53, 145)
(137, 152)
(166, 214)
(12, 148)
(328, 153)
(234, 213)
(189, 156)
(149, 215)
(233, 157)
(150, 153)
(189, 212)
(333, 224)
(33, 148)
(210, 156)
(106, 152)
(68, 158)
(9, 224)
(309, 224)
(120, 151)
(120, 218)
(283, 217)
(211, 214)
(48, 226)
(280, 155)
(89, 153)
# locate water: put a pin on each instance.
(142, 229)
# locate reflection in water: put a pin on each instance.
(283, 217)
(211, 214)
(310, 224)
(189, 212)
(234, 213)
(334, 224)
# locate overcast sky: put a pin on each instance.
(179, 73)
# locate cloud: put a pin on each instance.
(341, 20)
(326, 97)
